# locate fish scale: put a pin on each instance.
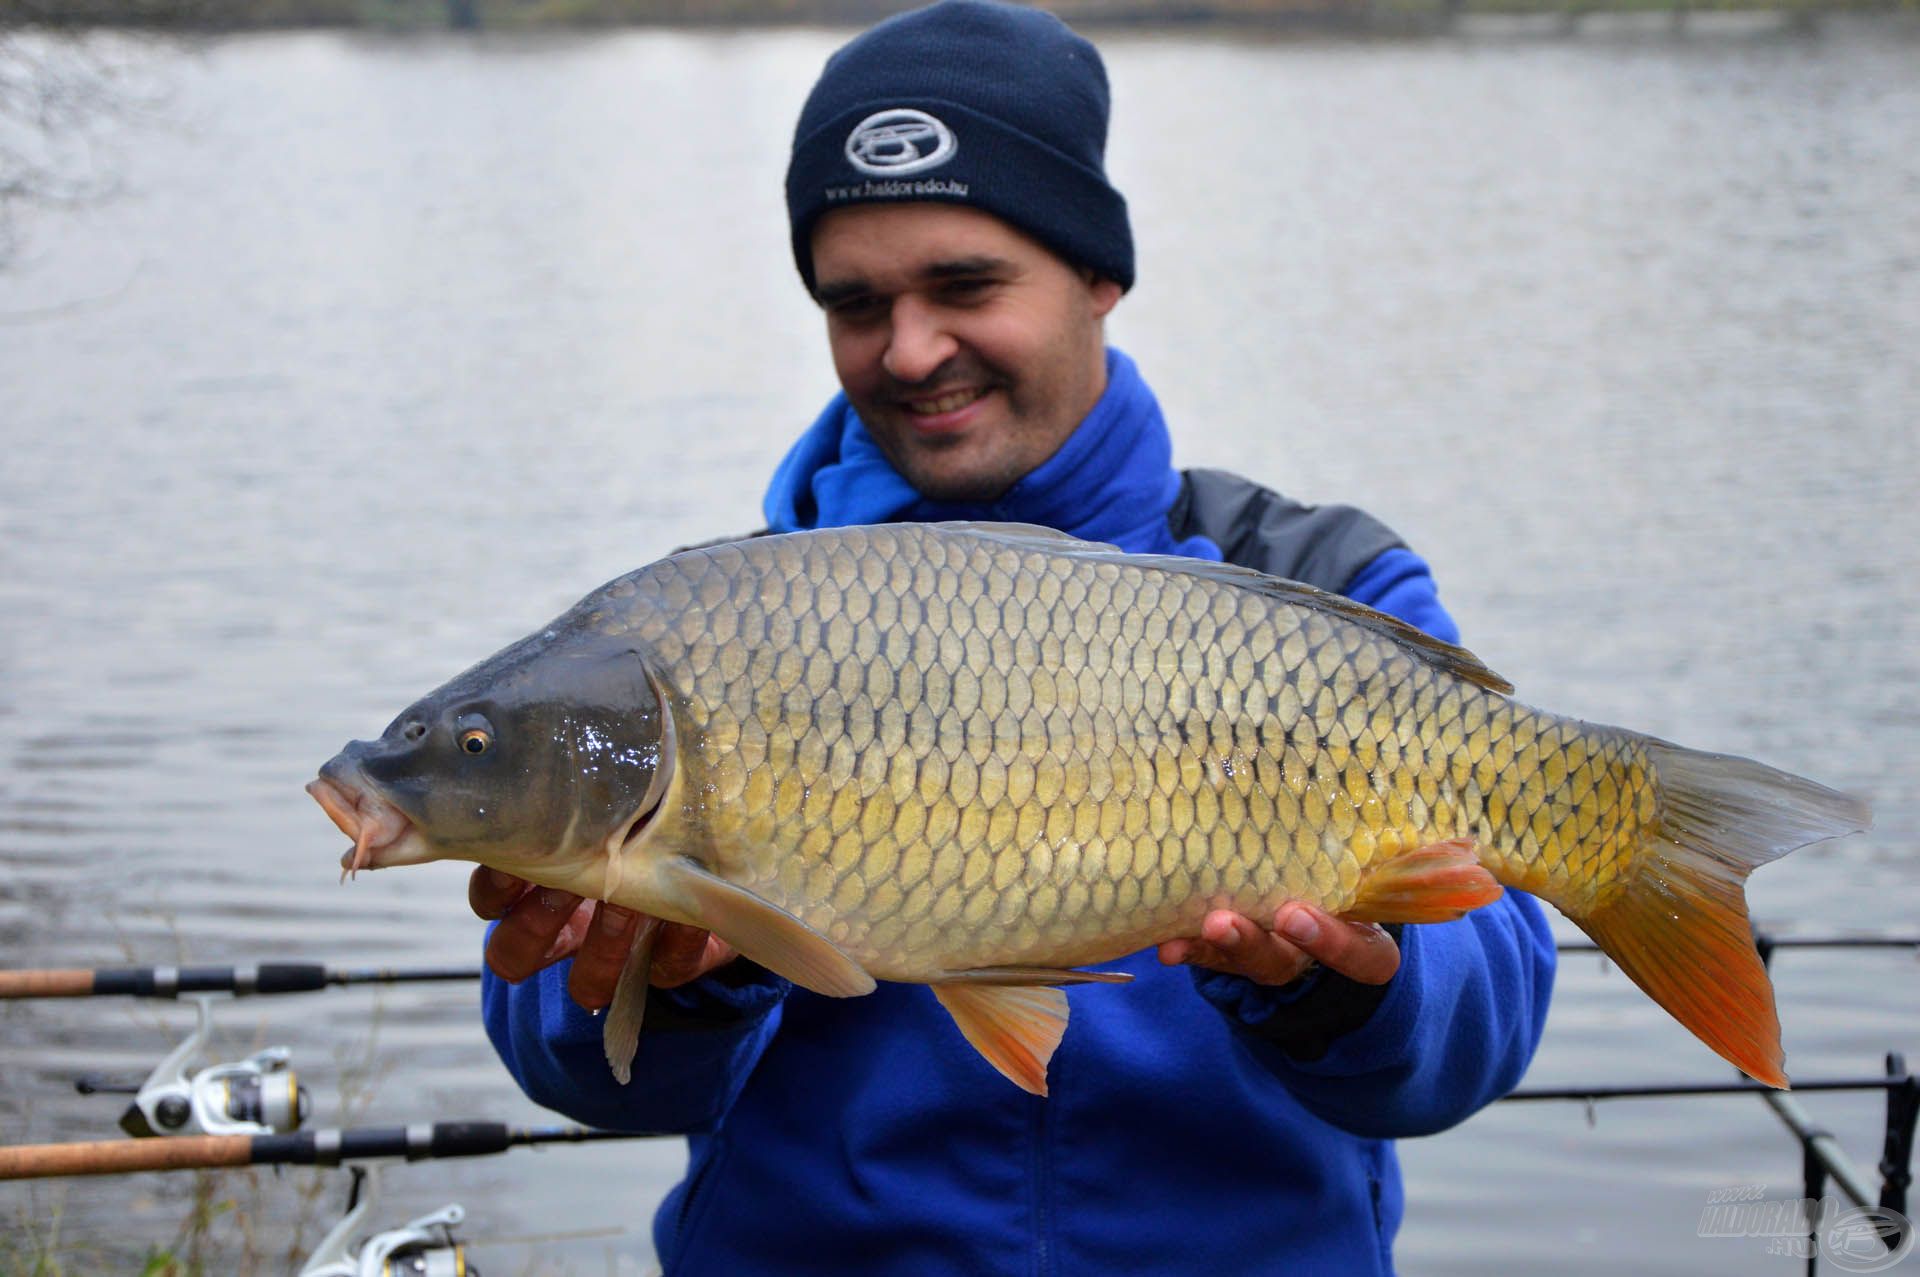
(981, 756)
(952, 783)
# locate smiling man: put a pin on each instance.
(968, 350)
(1233, 1109)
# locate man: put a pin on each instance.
(952, 216)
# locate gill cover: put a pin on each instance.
(548, 749)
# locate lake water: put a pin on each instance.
(386, 350)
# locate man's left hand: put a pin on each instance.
(1301, 936)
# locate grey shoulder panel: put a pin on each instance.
(1324, 546)
(726, 540)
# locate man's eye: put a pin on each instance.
(855, 308)
(965, 290)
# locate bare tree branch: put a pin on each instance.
(64, 92)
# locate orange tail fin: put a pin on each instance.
(1679, 927)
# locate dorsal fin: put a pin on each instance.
(1448, 657)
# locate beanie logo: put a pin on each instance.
(899, 141)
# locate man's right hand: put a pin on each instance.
(541, 925)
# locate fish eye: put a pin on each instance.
(474, 733)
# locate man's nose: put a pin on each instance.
(918, 342)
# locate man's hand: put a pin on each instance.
(541, 925)
(1301, 936)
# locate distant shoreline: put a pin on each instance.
(1358, 16)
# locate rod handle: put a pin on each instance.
(120, 1157)
(72, 983)
(165, 982)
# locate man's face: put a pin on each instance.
(969, 350)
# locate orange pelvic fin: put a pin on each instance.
(1436, 883)
(1016, 1027)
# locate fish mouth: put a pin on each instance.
(382, 835)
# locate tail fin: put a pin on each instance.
(1680, 929)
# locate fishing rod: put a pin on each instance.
(309, 977)
(326, 1147)
(241, 981)
(1741, 1086)
(1766, 942)
(1823, 1161)
(422, 1140)
(237, 1099)
(255, 1096)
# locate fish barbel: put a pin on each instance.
(980, 756)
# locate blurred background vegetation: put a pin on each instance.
(512, 14)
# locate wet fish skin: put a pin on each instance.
(944, 750)
(572, 739)
(925, 753)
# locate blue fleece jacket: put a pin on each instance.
(865, 1135)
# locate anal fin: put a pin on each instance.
(620, 1035)
(1015, 1026)
(1436, 883)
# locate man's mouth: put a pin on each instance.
(946, 402)
(375, 825)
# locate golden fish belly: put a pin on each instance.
(947, 751)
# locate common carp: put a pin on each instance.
(980, 756)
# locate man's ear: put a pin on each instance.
(1103, 294)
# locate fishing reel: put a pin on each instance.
(255, 1096)
(423, 1247)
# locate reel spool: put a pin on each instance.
(423, 1247)
(256, 1096)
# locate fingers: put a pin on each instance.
(1236, 944)
(537, 930)
(490, 891)
(603, 952)
(1303, 935)
(680, 954)
(683, 953)
(541, 925)
(1357, 950)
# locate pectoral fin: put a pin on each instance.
(1015, 1026)
(621, 1033)
(1435, 883)
(765, 932)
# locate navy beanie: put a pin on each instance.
(995, 106)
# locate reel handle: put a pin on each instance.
(101, 1084)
